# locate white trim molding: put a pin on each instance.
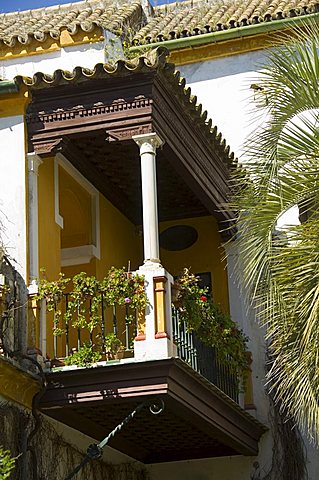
(34, 161)
(77, 255)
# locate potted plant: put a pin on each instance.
(114, 348)
(85, 356)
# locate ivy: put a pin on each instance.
(213, 327)
(7, 464)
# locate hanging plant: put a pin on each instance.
(123, 288)
(85, 305)
(52, 292)
(85, 290)
(213, 327)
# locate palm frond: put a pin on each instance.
(280, 266)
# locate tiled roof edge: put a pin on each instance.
(196, 112)
(155, 60)
(228, 34)
(26, 37)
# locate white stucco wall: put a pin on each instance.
(66, 59)
(223, 88)
(223, 468)
(13, 190)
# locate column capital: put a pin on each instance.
(148, 142)
(34, 161)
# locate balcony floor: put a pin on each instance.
(198, 421)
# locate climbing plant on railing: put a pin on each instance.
(213, 327)
(52, 292)
(117, 288)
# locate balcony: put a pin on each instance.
(112, 339)
(135, 155)
(201, 418)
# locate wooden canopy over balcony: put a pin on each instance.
(198, 420)
(91, 115)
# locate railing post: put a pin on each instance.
(154, 339)
(43, 327)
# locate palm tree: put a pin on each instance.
(280, 266)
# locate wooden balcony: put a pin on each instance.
(201, 418)
(93, 119)
(198, 420)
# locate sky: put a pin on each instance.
(14, 5)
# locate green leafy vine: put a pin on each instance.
(117, 288)
(7, 463)
(213, 327)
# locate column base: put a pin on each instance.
(151, 264)
(156, 344)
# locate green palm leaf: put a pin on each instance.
(280, 267)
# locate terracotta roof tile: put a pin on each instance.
(48, 22)
(166, 22)
(188, 18)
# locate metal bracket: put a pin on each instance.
(95, 451)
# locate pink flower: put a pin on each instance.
(127, 300)
(203, 298)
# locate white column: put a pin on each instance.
(34, 161)
(148, 144)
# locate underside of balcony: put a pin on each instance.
(198, 420)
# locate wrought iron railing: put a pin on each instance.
(203, 358)
(70, 334)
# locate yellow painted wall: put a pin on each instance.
(14, 103)
(204, 256)
(49, 231)
(17, 386)
(75, 208)
(120, 241)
